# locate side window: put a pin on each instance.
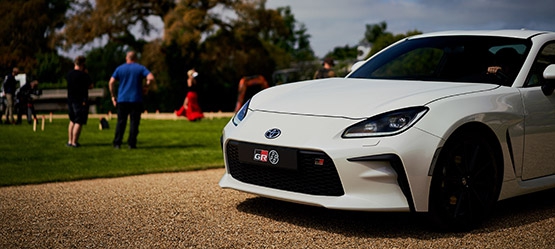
(545, 58)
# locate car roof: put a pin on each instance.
(514, 33)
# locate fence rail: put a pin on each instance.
(56, 99)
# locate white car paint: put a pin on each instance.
(313, 115)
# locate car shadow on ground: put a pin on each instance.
(514, 212)
(523, 210)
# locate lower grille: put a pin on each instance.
(315, 174)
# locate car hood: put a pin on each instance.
(356, 98)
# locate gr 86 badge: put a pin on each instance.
(271, 156)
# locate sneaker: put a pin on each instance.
(77, 145)
(117, 146)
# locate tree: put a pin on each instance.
(256, 41)
(344, 57)
(303, 50)
(246, 39)
(343, 53)
(185, 27)
(374, 31)
(113, 20)
(50, 69)
(279, 28)
(28, 28)
(377, 35)
(102, 61)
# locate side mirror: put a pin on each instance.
(549, 75)
(549, 72)
(358, 64)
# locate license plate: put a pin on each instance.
(273, 157)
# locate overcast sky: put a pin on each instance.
(333, 23)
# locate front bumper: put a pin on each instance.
(368, 174)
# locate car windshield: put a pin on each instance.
(449, 58)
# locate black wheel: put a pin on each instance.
(465, 183)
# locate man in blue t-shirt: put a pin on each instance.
(129, 101)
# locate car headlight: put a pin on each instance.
(386, 124)
(241, 114)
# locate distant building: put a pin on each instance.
(363, 50)
(21, 78)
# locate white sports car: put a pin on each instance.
(446, 123)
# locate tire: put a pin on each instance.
(466, 182)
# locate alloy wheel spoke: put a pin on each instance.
(473, 154)
(461, 205)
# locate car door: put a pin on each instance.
(539, 140)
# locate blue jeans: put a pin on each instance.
(133, 110)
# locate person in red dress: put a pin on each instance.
(191, 109)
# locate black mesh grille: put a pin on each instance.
(309, 178)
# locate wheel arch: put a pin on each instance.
(480, 129)
(475, 131)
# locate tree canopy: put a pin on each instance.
(29, 28)
(224, 40)
(112, 20)
(379, 38)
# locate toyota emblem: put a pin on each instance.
(272, 133)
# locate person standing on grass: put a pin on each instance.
(2, 102)
(129, 100)
(25, 101)
(78, 85)
(10, 85)
(326, 71)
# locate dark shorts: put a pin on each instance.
(78, 113)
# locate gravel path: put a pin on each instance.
(189, 210)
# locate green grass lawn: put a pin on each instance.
(29, 157)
